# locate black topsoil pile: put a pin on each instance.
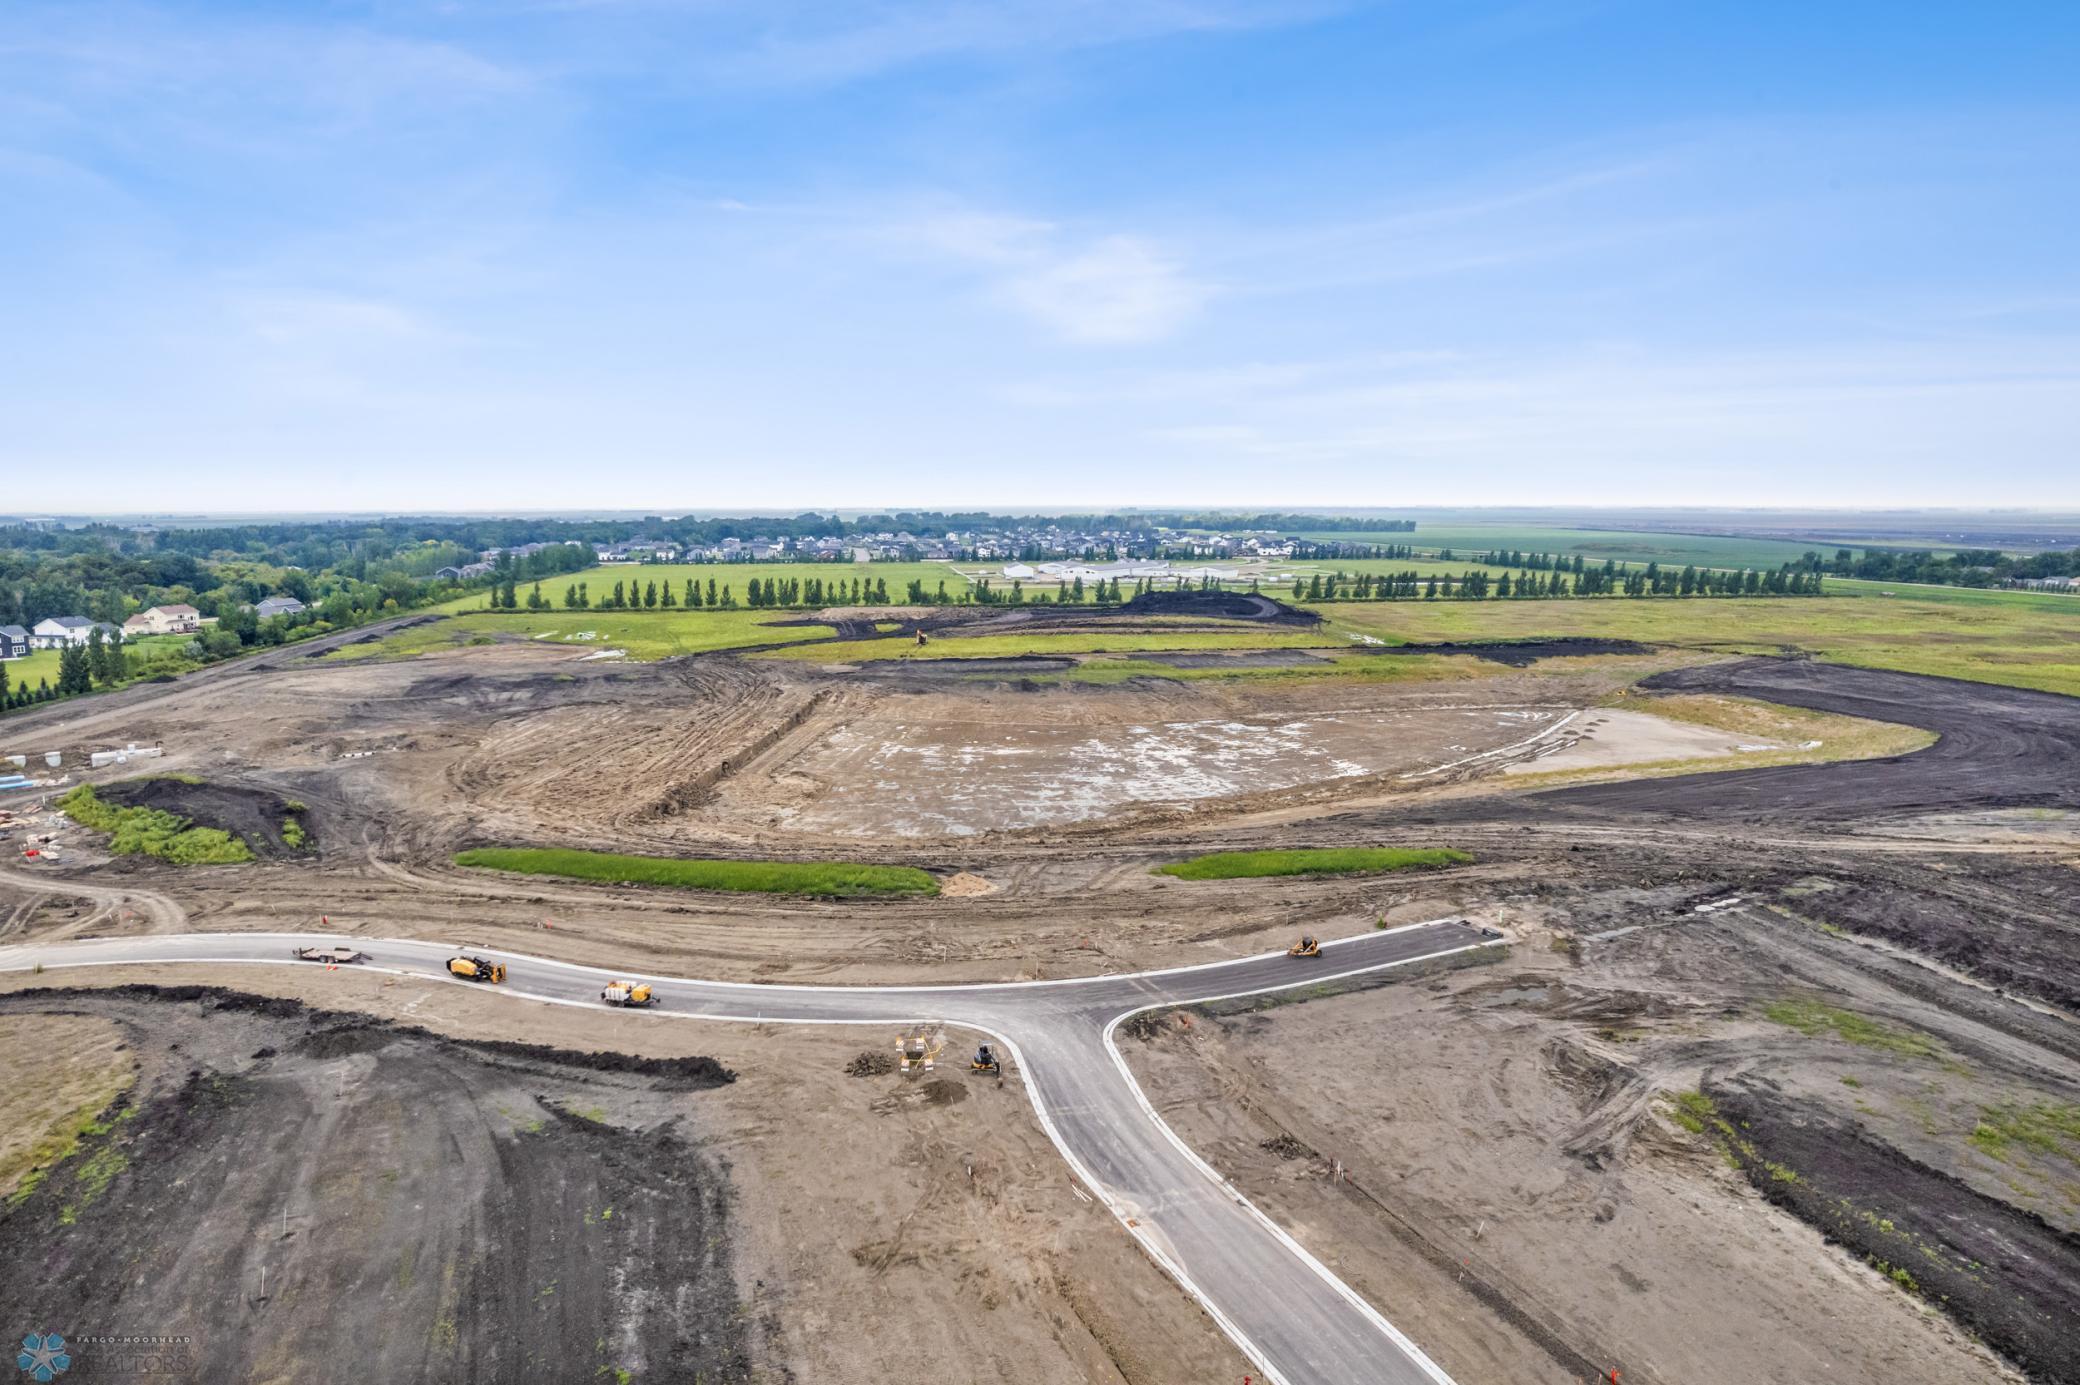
(2003, 1272)
(308, 1196)
(255, 816)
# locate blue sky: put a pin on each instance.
(705, 254)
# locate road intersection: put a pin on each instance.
(1281, 1306)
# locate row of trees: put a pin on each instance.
(1608, 580)
(1969, 567)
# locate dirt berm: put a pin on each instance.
(296, 1195)
(2006, 747)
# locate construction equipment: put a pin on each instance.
(628, 994)
(921, 640)
(1306, 947)
(918, 1049)
(331, 955)
(477, 969)
(985, 1061)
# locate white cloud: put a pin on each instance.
(1119, 290)
(1105, 290)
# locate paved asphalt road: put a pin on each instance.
(1292, 1316)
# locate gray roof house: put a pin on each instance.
(278, 606)
(14, 642)
(58, 631)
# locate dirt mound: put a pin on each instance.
(334, 1032)
(1285, 1147)
(1239, 658)
(1999, 1270)
(944, 1091)
(871, 1062)
(1219, 605)
(965, 885)
(430, 1215)
(259, 817)
(1523, 653)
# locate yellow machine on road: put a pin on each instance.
(1306, 947)
(626, 993)
(476, 969)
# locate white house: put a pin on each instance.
(164, 620)
(55, 632)
(278, 606)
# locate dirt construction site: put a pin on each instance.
(1772, 1071)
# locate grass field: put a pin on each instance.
(644, 635)
(2018, 638)
(1077, 642)
(1594, 545)
(766, 877)
(148, 657)
(1239, 865)
(2023, 639)
(735, 576)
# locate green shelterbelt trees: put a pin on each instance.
(1606, 580)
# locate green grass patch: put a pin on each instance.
(599, 581)
(1692, 1111)
(1593, 545)
(1815, 1018)
(2022, 639)
(154, 832)
(766, 877)
(2045, 1127)
(643, 635)
(1237, 865)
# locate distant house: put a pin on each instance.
(278, 606)
(164, 620)
(448, 574)
(56, 632)
(14, 642)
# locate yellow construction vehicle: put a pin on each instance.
(918, 1049)
(476, 969)
(1306, 947)
(628, 994)
(985, 1061)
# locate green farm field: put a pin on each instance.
(643, 634)
(1594, 545)
(735, 576)
(2023, 639)
(2017, 638)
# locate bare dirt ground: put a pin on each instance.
(432, 1210)
(1527, 1162)
(1523, 1197)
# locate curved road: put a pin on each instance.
(1284, 1309)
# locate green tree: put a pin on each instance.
(650, 596)
(665, 597)
(74, 676)
(711, 591)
